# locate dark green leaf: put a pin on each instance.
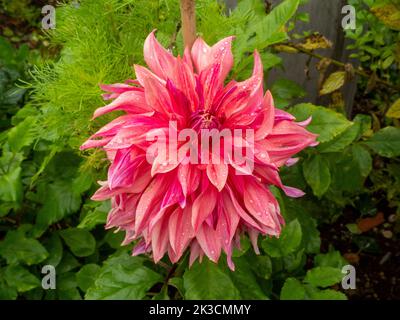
(80, 241)
(207, 281)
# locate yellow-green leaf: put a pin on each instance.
(389, 14)
(394, 110)
(334, 82)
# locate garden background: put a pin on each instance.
(347, 80)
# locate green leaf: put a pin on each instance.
(362, 158)
(17, 248)
(261, 265)
(327, 123)
(96, 216)
(67, 287)
(387, 12)
(178, 284)
(245, 280)
(394, 110)
(207, 281)
(123, 277)
(317, 174)
(20, 278)
(293, 290)
(327, 294)
(386, 142)
(294, 260)
(284, 90)
(323, 276)
(341, 141)
(334, 82)
(331, 259)
(21, 135)
(67, 263)
(87, 275)
(55, 248)
(11, 186)
(80, 241)
(60, 201)
(7, 292)
(262, 31)
(287, 243)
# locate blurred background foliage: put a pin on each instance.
(49, 90)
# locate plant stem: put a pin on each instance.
(188, 17)
(341, 64)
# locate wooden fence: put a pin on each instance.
(326, 18)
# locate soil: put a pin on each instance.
(375, 254)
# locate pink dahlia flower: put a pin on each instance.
(172, 205)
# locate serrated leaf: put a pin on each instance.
(80, 241)
(317, 174)
(16, 247)
(60, 201)
(21, 135)
(327, 123)
(96, 216)
(331, 259)
(386, 142)
(11, 186)
(122, 277)
(20, 278)
(341, 141)
(207, 281)
(323, 276)
(327, 294)
(87, 275)
(293, 289)
(287, 243)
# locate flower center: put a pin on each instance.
(203, 120)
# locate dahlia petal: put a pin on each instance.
(293, 192)
(253, 235)
(180, 230)
(268, 112)
(209, 242)
(231, 205)
(160, 60)
(94, 143)
(130, 101)
(218, 174)
(203, 206)
(291, 161)
(149, 196)
(203, 56)
(256, 200)
(174, 195)
(189, 178)
(195, 252)
(227, 225)
(119, 87)
(305, 123)
(139, 248)
(159, 239)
